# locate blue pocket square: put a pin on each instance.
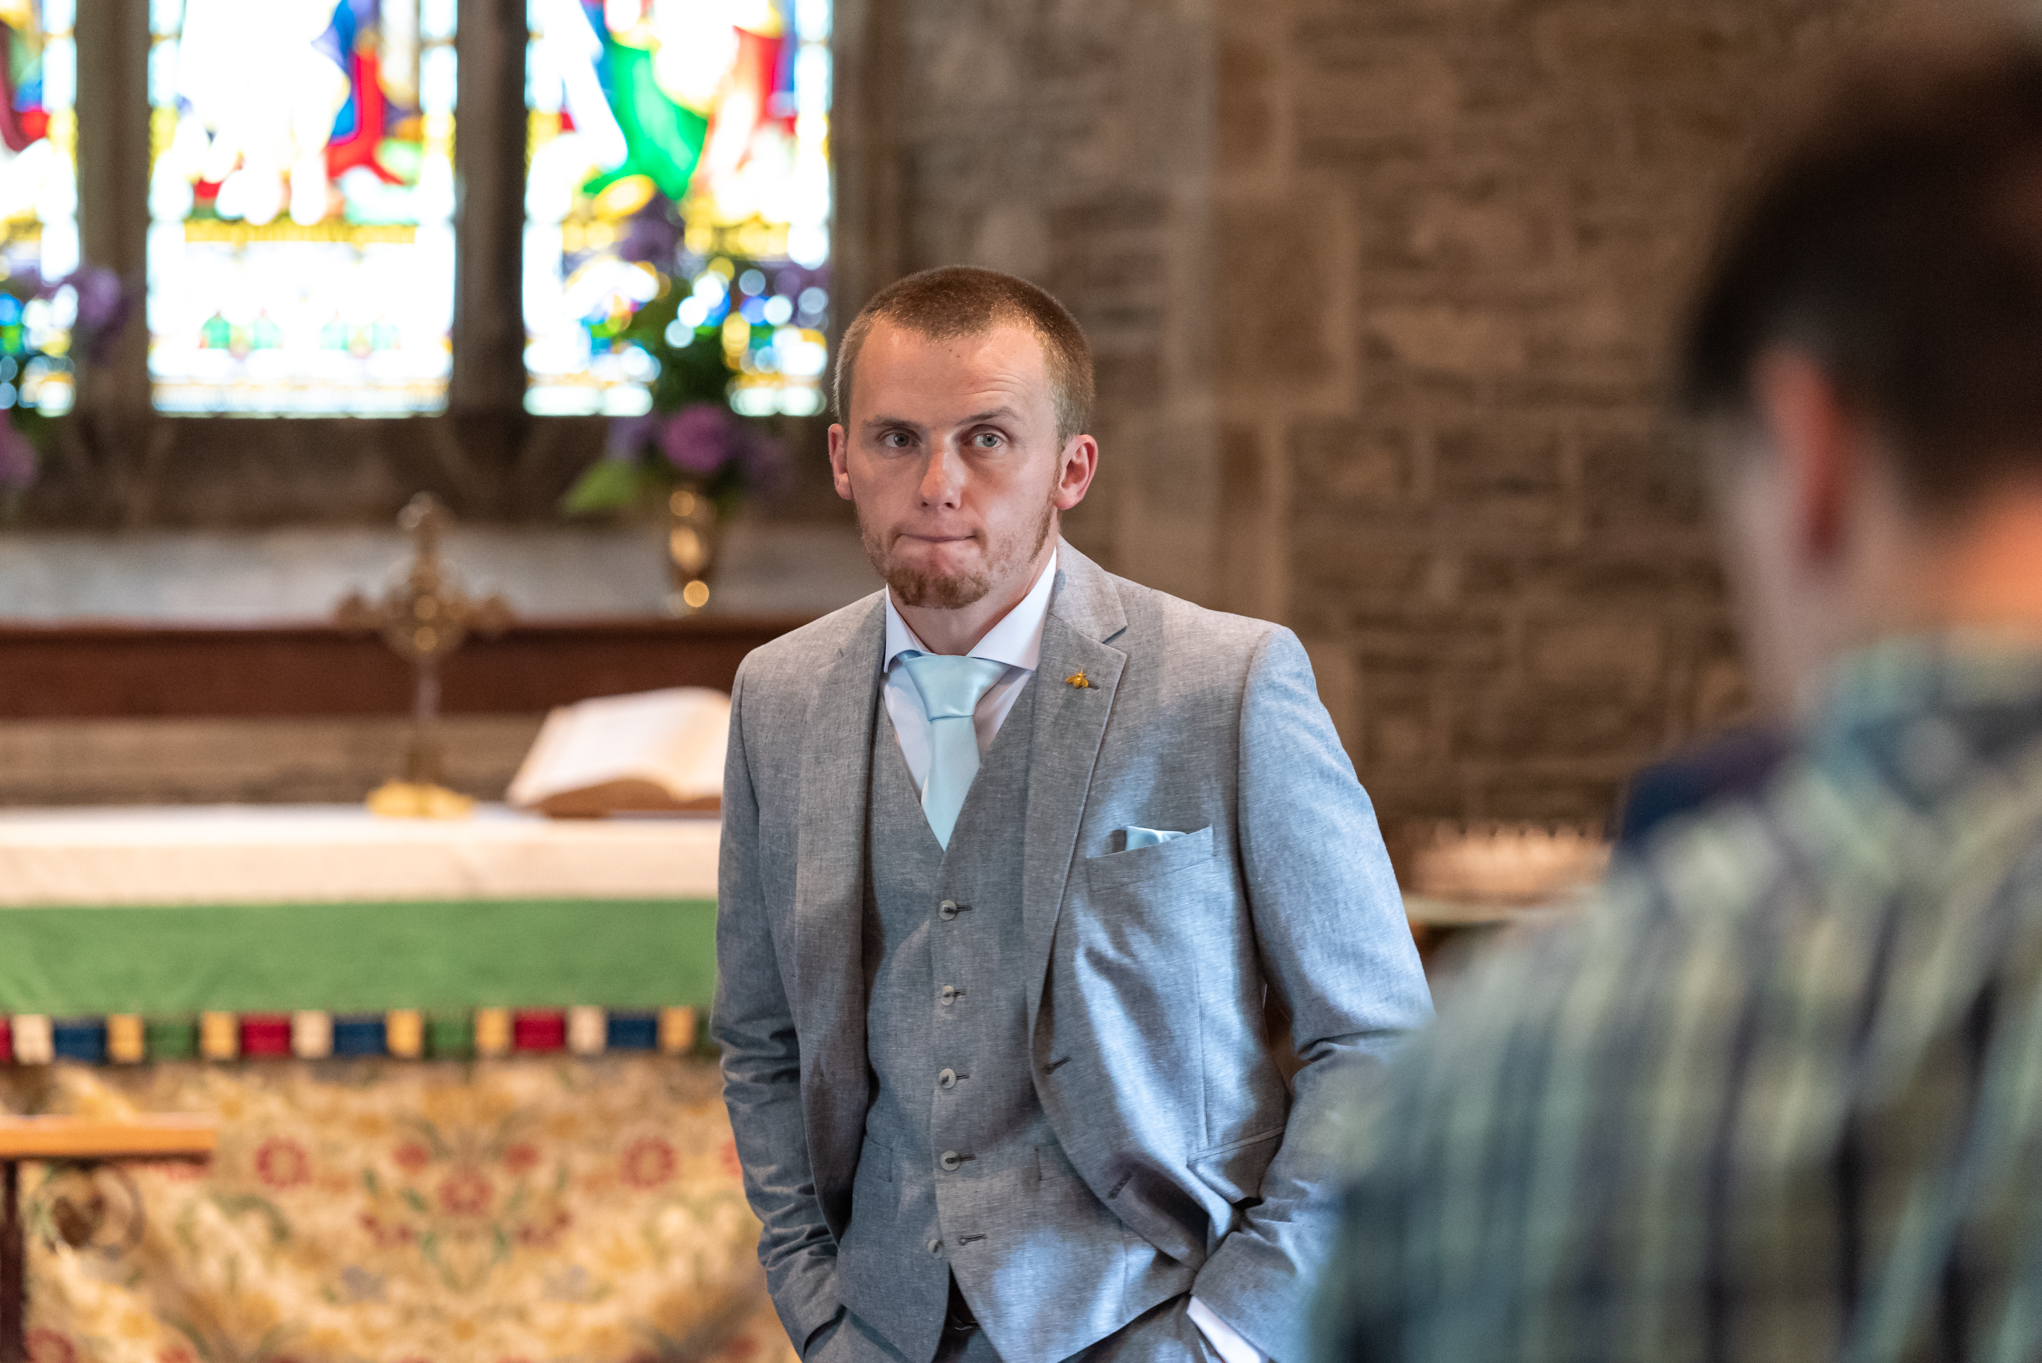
(1148, 837)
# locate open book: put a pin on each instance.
(654, 752)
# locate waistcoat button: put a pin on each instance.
(947, 910)
(950, 1160)
(935, 1247)
(950, 993)
(947, 1079)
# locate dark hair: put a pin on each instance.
(962, 300)
(1898, 242)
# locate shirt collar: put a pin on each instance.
(1922, 715)
(1900, 678)
(1016, 640)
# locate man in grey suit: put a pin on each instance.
(1012, 852)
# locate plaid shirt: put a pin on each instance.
(1777, 1095)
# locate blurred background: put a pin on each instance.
(1379, 291)
(380, 376)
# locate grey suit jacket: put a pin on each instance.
(1146, 968)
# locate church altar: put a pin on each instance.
(461, 1117)
(343, 854)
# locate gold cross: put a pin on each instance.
(424, 615)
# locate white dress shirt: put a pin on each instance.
(1016, 641)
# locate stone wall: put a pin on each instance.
(1068, 141)
(1382, 290)
(1499, 559)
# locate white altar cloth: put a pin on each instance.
(284, 854)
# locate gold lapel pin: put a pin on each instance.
(1078, 679)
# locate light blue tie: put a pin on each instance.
(951, 688)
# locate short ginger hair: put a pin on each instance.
(963, 300)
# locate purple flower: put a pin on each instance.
(628, 435)
(17, 458)
(102, 299)
(702, 438)
(104, 303)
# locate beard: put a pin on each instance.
(915, 587)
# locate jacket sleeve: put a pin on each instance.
(1337, 954)
(754, 1026)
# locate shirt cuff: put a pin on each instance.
(1224, 1338)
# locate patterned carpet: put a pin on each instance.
(516, 1211)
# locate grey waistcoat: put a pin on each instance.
(960, 1171)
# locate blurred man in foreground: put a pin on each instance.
(1780, 1096)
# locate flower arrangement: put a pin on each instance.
(691, 440)
(702, 447)
(46, 326)
(691, 456)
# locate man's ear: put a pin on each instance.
(1820, 443)
(1076, 465)
(840, 457)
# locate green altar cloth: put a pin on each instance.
(358, 957)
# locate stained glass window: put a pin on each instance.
(678, 151)
(301, 200)
(38, 201)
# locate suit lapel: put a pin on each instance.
(1070, 724)
(829, 878)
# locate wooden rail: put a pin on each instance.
(170, 1136)
(95, 671)
(86, 1140)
